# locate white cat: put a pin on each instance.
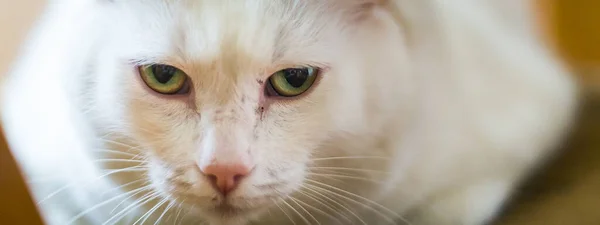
(425, 112)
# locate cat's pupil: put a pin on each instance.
(296, 77)
(163, 73)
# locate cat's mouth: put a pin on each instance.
(226, 209)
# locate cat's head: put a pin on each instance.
(231, 101)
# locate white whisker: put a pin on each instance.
(348, 169)
(300, 203)
(120, 160)
(78, 216)
(138, 168)
(142, 201)
(335, 202)
(345, 173)
(116, 152)
(118, 143)
(131, 196)
(285, 213)
(122, 186)
(326, 205)
(352, 157)
(355, 201)
(180, 208)
(297, 213)
(345, 176)
(164, 212)
(85, 184)
(150, 212)
(187, 213)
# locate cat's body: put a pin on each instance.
(429, 111)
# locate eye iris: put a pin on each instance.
(164, 79)
(291, 82)
(296, 77)
(163, 73)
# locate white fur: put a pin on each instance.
(436, 110)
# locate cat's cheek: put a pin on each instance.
(178, 181)
(156, 176)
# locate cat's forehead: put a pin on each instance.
(205, 30)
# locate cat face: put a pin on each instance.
(231, 101)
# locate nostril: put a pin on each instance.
(237, 178)
(212, 178)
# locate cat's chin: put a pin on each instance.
(230, 215)
(222, 212)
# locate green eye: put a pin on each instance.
(291, 82)
(164, 79)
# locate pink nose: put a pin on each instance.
(225, 178)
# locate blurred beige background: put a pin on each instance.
(16, 206)
(16, 18)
